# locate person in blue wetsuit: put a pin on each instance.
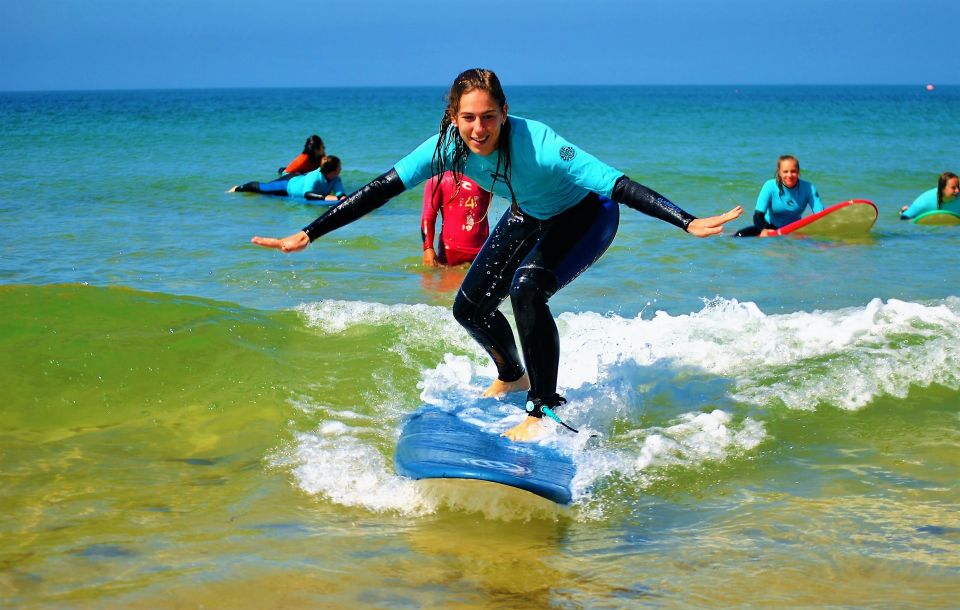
(948, 186)
(782, 199)
(561, 219)
(321, 184)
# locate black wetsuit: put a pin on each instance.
(529, 259)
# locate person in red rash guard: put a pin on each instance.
(463, 226)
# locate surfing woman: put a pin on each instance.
(946, 193)
(782, 199)
(562, 218)
(322, 183)
(310, 159)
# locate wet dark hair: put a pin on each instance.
(474, 79)
(942, 184)
(330, 163)
(313, 145)
(776, 173)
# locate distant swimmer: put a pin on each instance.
(936, 198)
(563, 215)
(310, 159)
(322, 184)
(782, 200)
(462, 206)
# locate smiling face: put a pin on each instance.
(789, 172)
(951, 189)
(479, 120)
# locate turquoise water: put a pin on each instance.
(187, 420)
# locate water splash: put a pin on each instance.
(843, 358)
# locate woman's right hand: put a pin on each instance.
(430, 258)
(291, 243)
(705, 227)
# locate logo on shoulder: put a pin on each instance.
(567, 153)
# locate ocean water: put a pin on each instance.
(187, 420)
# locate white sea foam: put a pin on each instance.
(843, 358)
(419, 324)
(338, 464)
(348, 471)
(697, 437)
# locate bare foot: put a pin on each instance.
(233, 189)
(527, 430)
(498, 388)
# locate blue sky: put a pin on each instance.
(119, 44)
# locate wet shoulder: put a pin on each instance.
(537, 143)
(769, 187)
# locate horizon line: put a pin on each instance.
(926, 86)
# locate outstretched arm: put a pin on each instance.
(712, 225)
(291, 243)
(643, 199)
(368, 198)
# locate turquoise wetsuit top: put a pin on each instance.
(314, 182)
(781, 209)
(548, 174)
(927, 202)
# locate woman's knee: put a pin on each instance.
(532, 285)
(464, 311)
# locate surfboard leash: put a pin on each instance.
(549, 412)
(538, 410)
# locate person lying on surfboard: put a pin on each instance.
(948, 185)
(782, 200)
(322, 184)
(562, 218)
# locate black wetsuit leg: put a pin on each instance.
(276, 187)
(249, 187)
(531, 260)
(571, 243)
(487, 284)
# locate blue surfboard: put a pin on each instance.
(437, 444)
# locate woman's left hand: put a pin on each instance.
(712, 225)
